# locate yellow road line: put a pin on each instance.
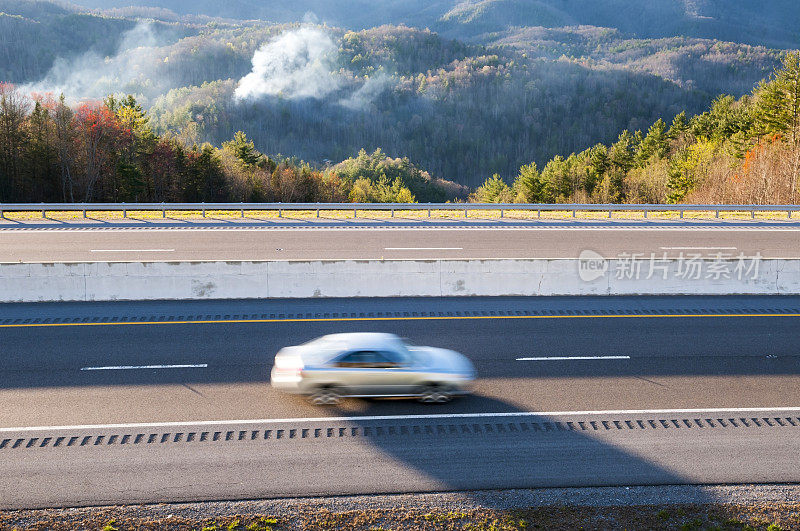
(419, 318)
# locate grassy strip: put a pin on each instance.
(768, 517)
(229, 215)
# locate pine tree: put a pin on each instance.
(654, 144)
(597, 167)
(493, 190)
(680, 125)
(40, 179)
(13, 138)
(64, 142)
(244, 149)
(778, 101)
(622, 152)
(528, 186)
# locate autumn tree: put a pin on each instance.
(99, 136)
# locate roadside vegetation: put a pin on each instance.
(767, 517)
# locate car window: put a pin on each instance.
(366, 359)
(396, 359)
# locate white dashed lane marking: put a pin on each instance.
(574, 358)
(134, 367)
(132, 250)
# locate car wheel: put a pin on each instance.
(435, 394)
(325, 396)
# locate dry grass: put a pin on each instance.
(308, 215)
(772, 517)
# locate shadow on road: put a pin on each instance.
(481, 452)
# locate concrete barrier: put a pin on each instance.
(105, 281)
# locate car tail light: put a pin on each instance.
(288, 363)
(288, 368)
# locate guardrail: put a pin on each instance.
(392, 207)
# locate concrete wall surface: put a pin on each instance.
(104, 281)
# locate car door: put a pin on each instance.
(398, 377)
(358, 371)
(372, 373)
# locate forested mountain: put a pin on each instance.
(744, 151)
(462, 112)
(710, 66)
(491, 86)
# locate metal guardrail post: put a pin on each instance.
(44, 213)
(163, 210)
(681, 214)
(392, 212)
(645, 214)
(242, 212)
(609, 213)
(84, 213)
(124, 213)
(429, 212)
(501, 212)
(355, 213)
(574, 212)
(716, 213)
(465, 213)
(280, 212)
(317, 212)
(752, 214)
(538, 214)
(789, 212)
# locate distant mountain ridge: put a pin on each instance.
(773, 23)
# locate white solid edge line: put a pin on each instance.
(132, 250)
(423, 248)
(570, 358)
(282, 260)
(402, 417)
(129, 367)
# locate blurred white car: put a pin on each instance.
(370, 365)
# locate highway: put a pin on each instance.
(91, 242)
(677, 390)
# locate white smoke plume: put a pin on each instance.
(94, 76)
(296, 64)
(366, 94)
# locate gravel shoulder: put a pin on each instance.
(770, 507)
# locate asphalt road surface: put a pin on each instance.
(394, 240)
(674, 390)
